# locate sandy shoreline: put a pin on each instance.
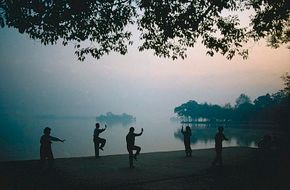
(244, 168)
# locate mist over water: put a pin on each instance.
(37, 82)
(160, 134)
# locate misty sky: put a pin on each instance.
(42, 80)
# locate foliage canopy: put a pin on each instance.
(168, 27)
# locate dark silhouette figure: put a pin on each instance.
(186, 139)
(219, 138)
(99, 142)
(130, 139)
(45, 147)
(266, 142)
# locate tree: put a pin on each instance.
(283, 94)
(243, 99)
(286, 79)
(228, 111)
(187, 110)
(263, 101)
(112, 119)
(168, 27)
(228, 106)
(271, 109)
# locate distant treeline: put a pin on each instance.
(111, 119)
(268, 109)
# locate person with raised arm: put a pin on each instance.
(186, 140)
(130, 139)
(219, 138)
(99, 142)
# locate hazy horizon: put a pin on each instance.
(48, 80)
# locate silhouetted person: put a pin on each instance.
(186, 139)
(266, 142)
(45, 147)
(99, 142)
(130, 139)
(219, 138)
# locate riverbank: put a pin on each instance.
(244, 168)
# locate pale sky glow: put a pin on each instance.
(38, 80)
(50, 80)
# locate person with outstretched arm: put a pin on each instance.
(130, 139)
(45, 147)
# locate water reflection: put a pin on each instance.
(159, 135)
(204, 137)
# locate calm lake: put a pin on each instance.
(159, 135)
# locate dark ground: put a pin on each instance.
(244, 169)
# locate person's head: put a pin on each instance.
(220, 129)
(131, 130)
(46, 130)
(187, 128)
(97, 125)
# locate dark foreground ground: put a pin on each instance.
(244, 168)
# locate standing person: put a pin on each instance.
(45, 147)
(130, 139)
(99, 142)
(186, 139)
(219, 138)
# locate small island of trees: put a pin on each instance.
(270, 110)
(111, 119)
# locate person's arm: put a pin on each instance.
(41, 140)
(225, 138)
(56, 139)
(182, 131)
(102, 130)
(139, 134)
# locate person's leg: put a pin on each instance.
(216, 158)
(138, 149)
(219, 156)
(130, 157)
(102, 142)
(187, 149)
(50, 159)
(96, 145)
(42, 158)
